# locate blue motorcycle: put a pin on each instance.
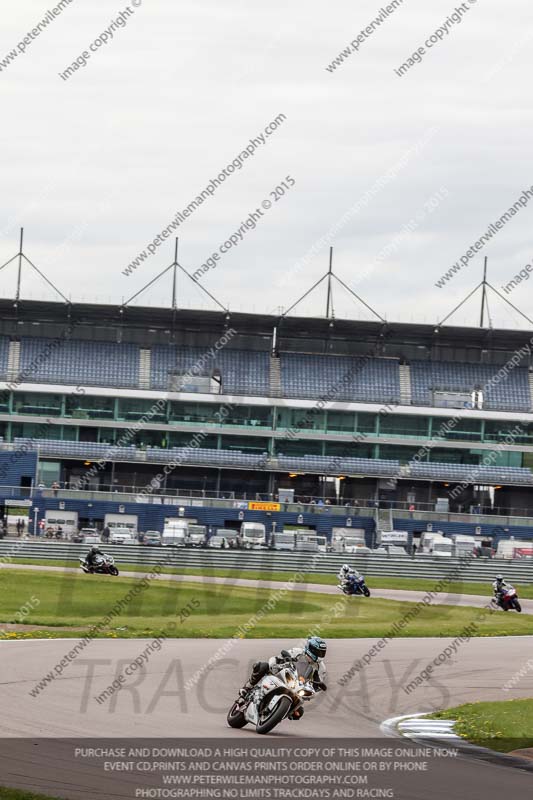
(355, 585)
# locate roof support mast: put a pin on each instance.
(19, 271)
(483, 294)
(484, 285)
(330, 272)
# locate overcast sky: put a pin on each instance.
(94, 167)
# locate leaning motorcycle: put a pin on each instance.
(508, 600)
(355, 585)
(105, 565)
(276, 697)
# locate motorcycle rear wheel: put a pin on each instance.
(266, 724)
(236, 718)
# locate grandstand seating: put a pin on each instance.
(247, 372)
(470, 473)
(242, 372)
(327, 465)
(510, 392)
(4, 352)
(341, 377)
(72, 361)
(335, 465)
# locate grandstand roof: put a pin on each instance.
(313, 334)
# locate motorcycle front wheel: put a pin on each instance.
(272, 718)
(517, 606)
(113, 570)
(236, 718)
(366, 591)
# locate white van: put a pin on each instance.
(121, 536)
(175, 532)
(253, 534)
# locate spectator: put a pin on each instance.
(55, 487)
(105, 534)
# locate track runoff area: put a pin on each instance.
(145, 715)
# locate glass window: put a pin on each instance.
(341, 421)
(451, 428)
(349, 449)
(403, 425)
(89, 407)
(298, 447)
(519, 432)
(247, 444)
(36, 403)
(132, 408)
(366, 423)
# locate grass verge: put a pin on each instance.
(70, 604)
(18, 794)
(501, 726)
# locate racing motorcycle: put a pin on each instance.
(104, 565)
(355, 585)
(508, 600)
(276, 697)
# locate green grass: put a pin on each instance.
(218, 610)
(501, 726)
(17, 794)
(422, 585)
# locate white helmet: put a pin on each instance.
(345, 568)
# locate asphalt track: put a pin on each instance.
(159, 703)
(400, 595)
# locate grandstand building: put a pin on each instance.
(155, 404)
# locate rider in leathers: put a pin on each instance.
(313, 652)
(498, 586)
(93, 557)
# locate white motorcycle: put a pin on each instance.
(275, 697)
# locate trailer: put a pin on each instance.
(347, 540)
(310, 542)
(284, 540)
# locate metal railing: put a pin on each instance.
(372, 564)
(210, 499)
